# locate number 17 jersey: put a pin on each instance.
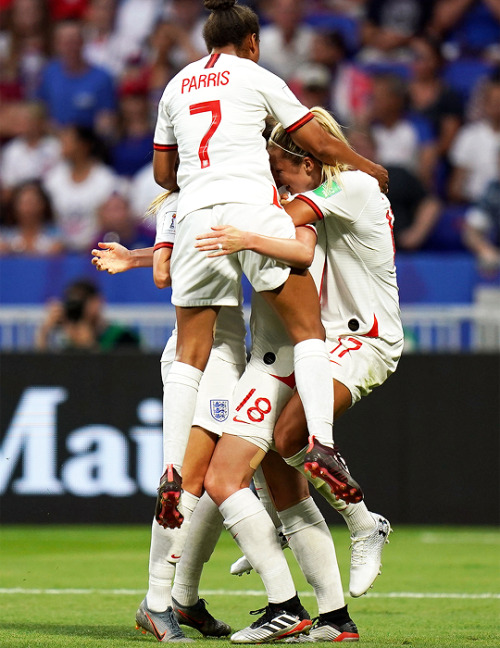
(213, 112)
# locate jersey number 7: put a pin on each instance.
(214, 108)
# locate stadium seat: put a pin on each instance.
(463, 75)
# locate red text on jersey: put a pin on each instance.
(211, 80)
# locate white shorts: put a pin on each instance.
(217, 384)
(258, 400)
(362, 363)
(200, 281)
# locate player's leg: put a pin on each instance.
(306, 454)
(190, 610)
(312, 545)
(227, 482)
(155, 613)
(194, 343)
(296, 302)
(366, 543)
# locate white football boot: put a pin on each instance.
(366, 556)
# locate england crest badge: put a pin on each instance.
(219, 409)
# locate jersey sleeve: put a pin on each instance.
(345, 200)
(165, 223)
(164, 138)
(282, 104)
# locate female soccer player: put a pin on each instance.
(284, 615)
(211, 118)
(360, 310)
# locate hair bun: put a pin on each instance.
(219, 5)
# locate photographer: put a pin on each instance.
(77, 323)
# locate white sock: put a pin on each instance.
(161, 572)
(261, 487)
(312, 545)
(187, 505)
(315, 386)
(246, 519)
(179, 402)
(205, 529)
(358, 518)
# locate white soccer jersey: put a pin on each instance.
(357, 283)
(214, 112)
(165, 222)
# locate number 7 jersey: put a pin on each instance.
(213, 112)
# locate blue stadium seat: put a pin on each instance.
(463, 75)
(346, 26)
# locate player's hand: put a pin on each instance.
(111, 257)
(222, 240)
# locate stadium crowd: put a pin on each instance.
(416, 83)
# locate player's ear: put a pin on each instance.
(309, 164)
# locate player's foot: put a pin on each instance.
(197, 616)
(167, 512)
(243, 566)
(162, 625)
(276, 623)
(366, 556)
(327, 464)
(324, 630)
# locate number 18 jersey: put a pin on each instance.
(213, 111)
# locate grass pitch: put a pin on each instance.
(79, 587)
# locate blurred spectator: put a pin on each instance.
(187, 18)
(103, 46)
(134, 148)
(481, 232)
(32, 153)
(401, 139)
(469, 27)
(30, 225)
(78, 323)
(350, 88)
(430, 97)
(389, 26)
(118, 225)
(74, 91)
(416, 212)
(311, 83)
(159, 68)
(78, 186)
(25, 49)
(67, 9)
(474, 153)
(143, 190)
(285, 43)
(135, 20)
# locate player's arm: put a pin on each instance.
(298, 252)
(161, 265)
(165, 168)
(115, 258)
(313, 138)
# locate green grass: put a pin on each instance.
(112, 562)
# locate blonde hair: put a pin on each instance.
(155, 205)
(330, 173)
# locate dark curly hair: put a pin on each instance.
(228, 24)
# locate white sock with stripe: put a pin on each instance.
(246, 519)
(315, 386)
(312, 545)
(161, 571)
(179, 401)
(205, 529)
